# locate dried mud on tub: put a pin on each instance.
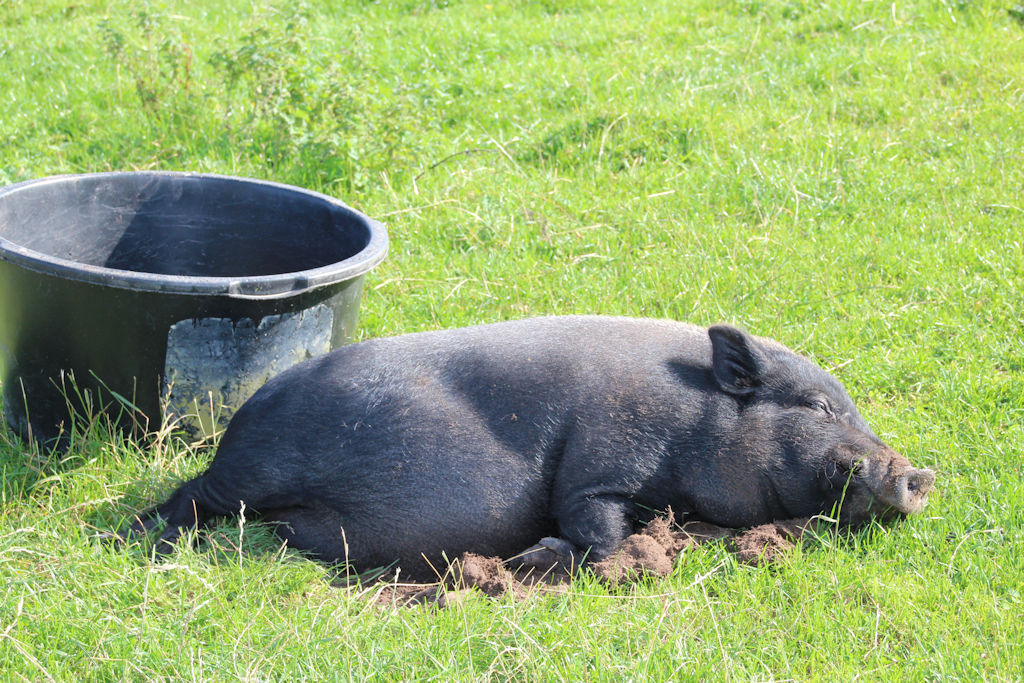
(649, 552)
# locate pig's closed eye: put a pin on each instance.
(822, 406)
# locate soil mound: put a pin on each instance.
(649, 552)
(768, 542)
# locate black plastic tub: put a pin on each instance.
(152, 293)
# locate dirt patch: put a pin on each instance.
(470, 572)
(650, 552)
(768, 542)
(653, 550)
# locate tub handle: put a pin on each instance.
(254, 290)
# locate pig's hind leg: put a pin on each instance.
(315, 529)
(192, 506)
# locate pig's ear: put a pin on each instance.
(736, 359)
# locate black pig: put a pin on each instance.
(490, 438)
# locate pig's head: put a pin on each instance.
(813, 451)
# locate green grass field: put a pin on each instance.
(846, 177)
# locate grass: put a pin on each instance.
(845, 177)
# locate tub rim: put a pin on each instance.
(277, 285)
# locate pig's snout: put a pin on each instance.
(893, 486)
(898, 484)
(912, 489)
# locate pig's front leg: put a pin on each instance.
(550, 553)
(592, 528)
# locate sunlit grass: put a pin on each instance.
(845, 177)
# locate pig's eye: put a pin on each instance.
(822, 406)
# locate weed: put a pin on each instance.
(155, 55)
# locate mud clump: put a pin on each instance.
(649, 552)
(653, 550)
(488, 574)
(638, 555)
(768, 542)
